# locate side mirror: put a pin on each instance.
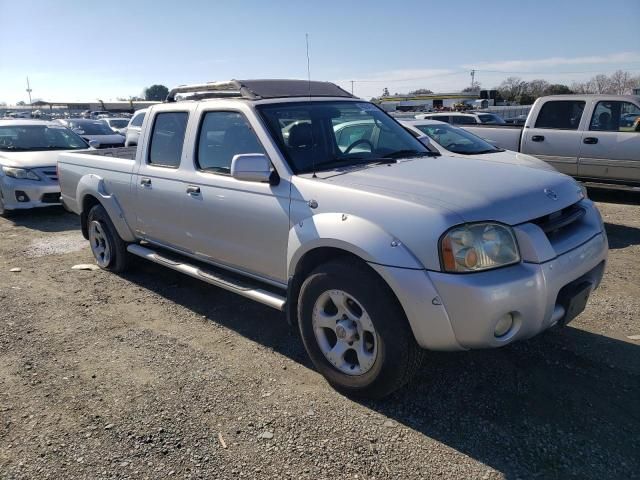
(94, 144)
(424, 139)
(251, 167)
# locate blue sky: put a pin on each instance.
(85, 50)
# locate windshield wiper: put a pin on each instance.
(493, 150)
(407, 154)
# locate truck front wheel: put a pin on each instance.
(109, 250)
(355, 332)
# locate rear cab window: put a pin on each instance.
(137, 120)
(560, 114)
(167, 139)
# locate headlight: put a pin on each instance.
(21, 173)
(478, 246)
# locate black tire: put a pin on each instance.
(119, 258)
(4, 213)
(398, 356)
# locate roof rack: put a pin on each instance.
(257, 90)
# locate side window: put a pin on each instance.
(442, 118)
(167, 139)
(560, 114)
(223, 135)
(137, 120)
(615, 116)
(463, 120)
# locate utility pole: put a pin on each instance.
(29, 92)
(473, 78)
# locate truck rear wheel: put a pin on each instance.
(355, 332)
(109, 250)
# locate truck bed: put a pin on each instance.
(503, 136)
(127, 153)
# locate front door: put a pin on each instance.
(239, 224)
(555, 137)
(610, 149)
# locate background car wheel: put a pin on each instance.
(355, 331)
(109, 250)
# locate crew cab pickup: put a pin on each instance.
(371, 244)
(595, 138)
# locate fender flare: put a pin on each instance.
(351, 233)
(94, 185)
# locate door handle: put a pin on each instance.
(590, 140)
(193, 190)
(537, 138)
(145, 182)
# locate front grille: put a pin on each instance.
(50, 198)
(558, 221)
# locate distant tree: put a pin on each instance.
(20, 103)
(622, 83)
(156, 93)
(557, 89)
(421, 91)
(511, 88)
(473, 89)
(385, 92)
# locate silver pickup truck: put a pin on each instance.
(374, 247)
(595, 138)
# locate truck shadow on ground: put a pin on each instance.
(50, 219)
(622, 236)
(561, 405)
(628, 197)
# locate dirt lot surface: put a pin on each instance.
(154, 375)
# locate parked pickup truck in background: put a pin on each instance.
(591, 137)
(299, 196)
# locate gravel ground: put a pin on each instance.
(154, 375)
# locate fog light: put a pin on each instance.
(504, 325)
(21, 196)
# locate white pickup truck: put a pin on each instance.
(595, 138)
(302, 197)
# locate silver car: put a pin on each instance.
(28, 153)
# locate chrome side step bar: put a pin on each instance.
(246, 289)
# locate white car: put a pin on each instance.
(134, 128)
(456, 142)
(117, 124)
(28, 156)
(467, 118)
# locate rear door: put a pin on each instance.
(160, 191)
(555, 136)
(610, 148)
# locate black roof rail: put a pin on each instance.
(258, 89)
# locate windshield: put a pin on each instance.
(97, 127)
(456, 139)
(332, 134)
(39, 137)
(491, 118)
(118, 123)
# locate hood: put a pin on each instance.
(508, 156)
(104, 139)
(48, 158)
(474, 188)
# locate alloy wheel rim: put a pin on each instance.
(344, 332)
(99, 244)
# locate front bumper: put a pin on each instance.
(460, 311)
(38, 193)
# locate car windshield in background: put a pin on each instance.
(26, 138)
(457, 140)
(491, 119)
(97, 127)
(118, 123)
(327, 135)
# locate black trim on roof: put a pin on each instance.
(259, 89)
